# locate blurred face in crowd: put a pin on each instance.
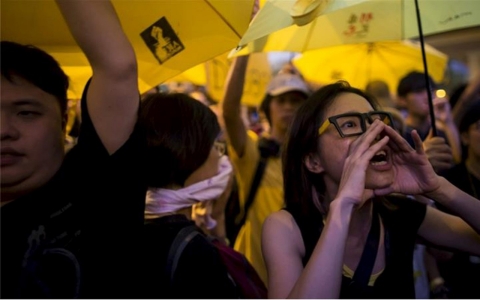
(416, 103)
(334, 149)
(283, 108)
(32, 137)
(471, 139)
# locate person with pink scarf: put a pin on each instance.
(185, 173)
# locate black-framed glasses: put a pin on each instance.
(351, 124)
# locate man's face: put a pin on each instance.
(32, 137)
(283, 108)
(417, 103)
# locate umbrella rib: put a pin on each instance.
(385, 61)
(223, 18)
(310, 32)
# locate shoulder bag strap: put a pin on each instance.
(183, 237)
(266, 148)
(262, 163)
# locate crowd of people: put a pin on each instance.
(346, 192)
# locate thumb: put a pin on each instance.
(430, 134)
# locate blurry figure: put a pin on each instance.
(380, 90)
(465, 96)
(442, 149)
(462, 271)
(257, 159)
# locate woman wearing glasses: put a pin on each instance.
(347, 231)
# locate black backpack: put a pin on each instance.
(242, 274)
(234, 218)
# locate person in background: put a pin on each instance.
(70, 223)
(284, 95)
(186, 173)
(460, 272)
(342, 233)
(443, 150)
(380, 90)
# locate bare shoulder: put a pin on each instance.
(281, 225)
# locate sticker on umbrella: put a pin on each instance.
(162, 40)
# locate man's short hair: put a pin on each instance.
(413, 82)
(37, 67)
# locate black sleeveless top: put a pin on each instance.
(401, 222)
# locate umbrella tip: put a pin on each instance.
(305, 11)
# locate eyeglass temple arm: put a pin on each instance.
(323, 127)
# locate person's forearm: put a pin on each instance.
(459, 202)
(322, 276)
(97, 30)
(234, 87)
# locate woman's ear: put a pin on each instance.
(313, 164)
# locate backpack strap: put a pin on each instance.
(183, 237)
(267, 148)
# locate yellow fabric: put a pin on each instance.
(269, 198)
(360, 63)
(347, 272)
(351, 22)
(198, 30)
(213, 74)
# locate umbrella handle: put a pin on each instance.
(425, 73)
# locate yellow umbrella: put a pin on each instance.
(350, 22)
(169, 36)
(212, 74)
(360, 63)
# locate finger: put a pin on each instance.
(440, 166)
(370, 152)
(443, 157)
(438, 151)
(398, 143)
(360, 145)
(430, 135)
(418, 142)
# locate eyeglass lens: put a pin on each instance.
(352, 125)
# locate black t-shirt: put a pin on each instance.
(200, 272)
(77, 236)
(401, 220)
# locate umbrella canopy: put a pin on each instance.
(213, 73)
(350, 22)
(360, 63)
(169, 36)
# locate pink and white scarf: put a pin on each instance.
(198, 196)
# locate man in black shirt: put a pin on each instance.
(69, 223)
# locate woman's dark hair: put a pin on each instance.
(302, 140)
(180, 134)
(37, 67)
